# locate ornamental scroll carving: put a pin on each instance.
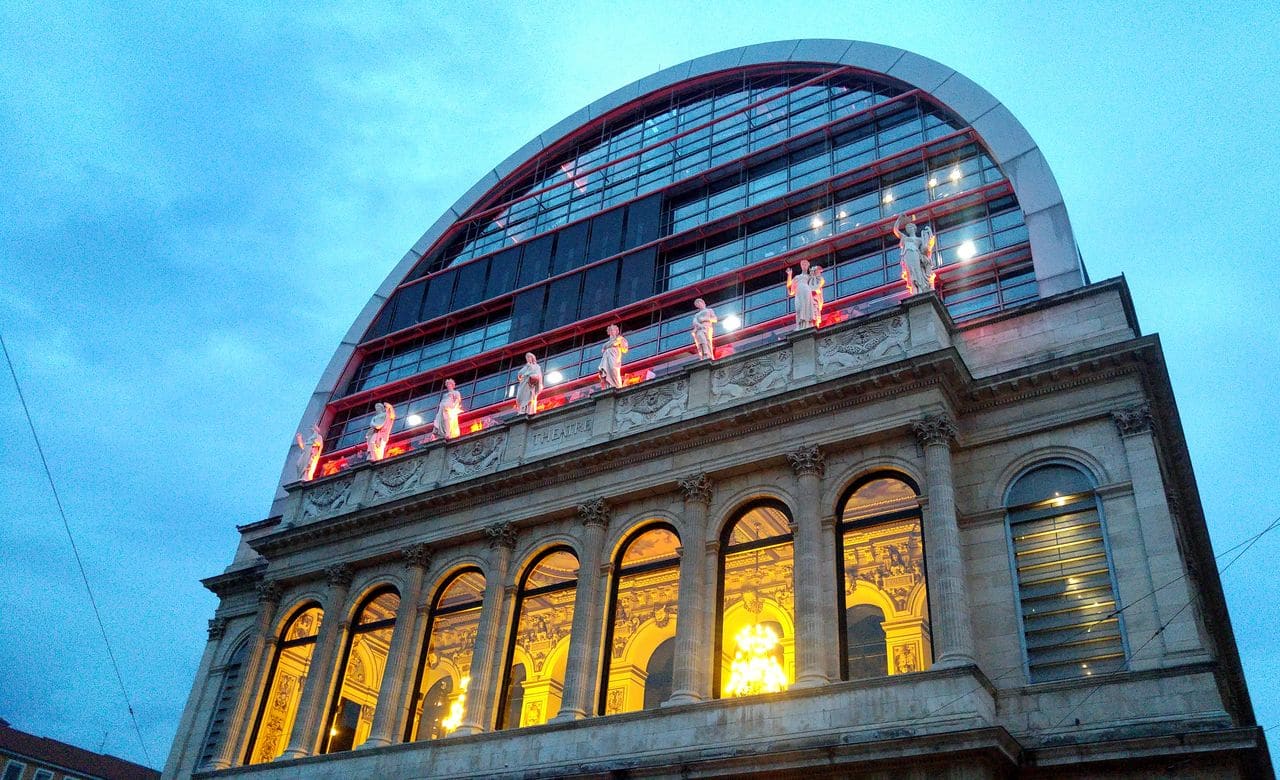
(751, 377)
(397, 477)
(651, 405)
(417, 555)
(327, 499)
(594, 513)
(1133, 419)
(339, 574)
(860, 346)
(269, 592)
(476, 456)
(501, 535)
(934, 429)
(217, 628)
(697, 488)
(807, 461)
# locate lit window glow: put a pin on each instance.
(816, 223)
(554, 377)
(414, 419)
(755, 669)
(454, 719)
(955, 175)
(966, 250)
(731, 323)
(888, 197)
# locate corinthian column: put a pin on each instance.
(948, 591)
(693, 646)
(256, 665)
(315, 692)
(582, 667)
(395, 679)
(811, 662)
(482, 692)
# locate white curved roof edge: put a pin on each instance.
(1053, 247)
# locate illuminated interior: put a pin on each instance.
(284, 687)
(886, 604)
(641, 647)
(758, 598)
(364, 662)
(445, 667)
(539, 649)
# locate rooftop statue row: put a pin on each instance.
(918, 271)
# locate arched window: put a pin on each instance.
(444, 671)
(540, 644)
(646, 581)
(756, 636)
(1066, 590)
(283, 690)
(227, 691)
(360, 674)
(885, 613)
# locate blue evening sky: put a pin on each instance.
(195, 203)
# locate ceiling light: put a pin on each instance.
(731, 323)
(966, 250)
(414, 419)
(554, 377)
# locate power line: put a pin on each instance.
(75, 551)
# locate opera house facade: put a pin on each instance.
(759, 418)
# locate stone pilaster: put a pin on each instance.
(948, 590)
(486, 674)
(396, 679)
(693, 645)
(305, 737)
(704, 674)
(581, 669)
(1170, 589)
(257, 664)
(811, 664)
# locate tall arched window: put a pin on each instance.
(646, 581)
(444, 671)
(283, 690)
(227, 691)
(360, 674)
(885, 615)
(756, 636)
(540, 644)
(1066, 590)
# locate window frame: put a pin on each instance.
(281, 645)
(339, 678)
(413, 722)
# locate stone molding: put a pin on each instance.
(935, 429)
(417, 555)
(594, 513)
(697, 488)
(340, 574)
(501, 535)
(1132, 420)
(807, 461)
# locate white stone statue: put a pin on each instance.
(446, 422)
(916, 251)
(611, 358)
(704, 330)
(309, 455)
(379, 432)
(530, 384)
(807, 289)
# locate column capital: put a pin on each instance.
(340, 574)
(501, 535)
(217, 628)
(697, 488)
(1133, 419)
(935, 429)
(417, 556)
(594, 512)
(269, 592)
(807, 461)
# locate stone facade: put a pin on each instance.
(960, 411)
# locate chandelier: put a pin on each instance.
(454, 719)
(755, 669)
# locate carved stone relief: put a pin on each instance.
(476, 456)
(750, 377)
(861, 346)
(651, 405)
(327, 499)
(396, 478)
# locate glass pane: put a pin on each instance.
(541, 649)
(558, 567)
(466, 588)
(757, 636)
(644, 620)
(1048, 481)
(656, 545)
(885, 599)
(446, 666)
(306, 624)
(762, 522)
(352, 716)
(878, 497)
(381, 608)
(283, 695)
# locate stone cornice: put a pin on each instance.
(235, 581)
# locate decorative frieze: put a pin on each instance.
(328, 498)
(594, 513)
(750, 377)
(476, 456)
(861, 346)
(397, 477)
(697, 488)
(935, 429)
(1133, 420)
(807, 461)
(650, 405)
(502, 535)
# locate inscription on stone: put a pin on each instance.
(559, 434)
